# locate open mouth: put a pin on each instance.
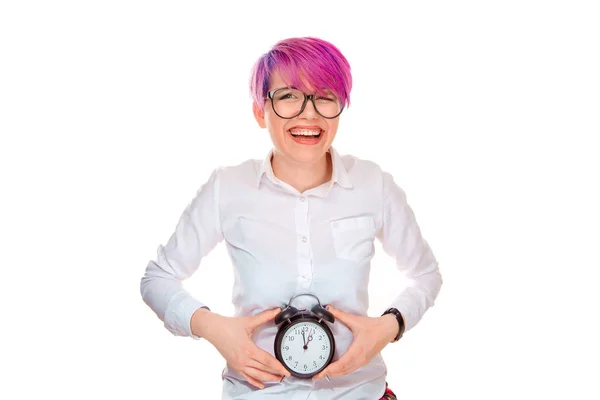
(307, 136)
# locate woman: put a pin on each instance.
(303, 220)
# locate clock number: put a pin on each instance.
(305, 366)
(324, 347)
(291, 338)
(320, 337)
(287, 347)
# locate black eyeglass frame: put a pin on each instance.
(306, 98)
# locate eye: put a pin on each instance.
(324, 98)
(288, 95)
(328, 98)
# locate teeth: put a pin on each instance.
(306, 133)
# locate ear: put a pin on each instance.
(259, 115)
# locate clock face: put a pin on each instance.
(306, 347)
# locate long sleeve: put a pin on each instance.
(196, 234)
(401, 238)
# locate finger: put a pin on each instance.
(263, 317)
(345, 364)
(270, 363)
(252, 381)
(261, 376)
(347, 319)
(267, 368)
(337, 368)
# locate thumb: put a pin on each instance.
(344, 317)
(263, 317)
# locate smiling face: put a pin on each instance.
(303, 140)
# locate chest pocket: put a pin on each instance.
(353, 237)
(261, 242)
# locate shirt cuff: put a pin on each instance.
(179, 314)
(410, 307)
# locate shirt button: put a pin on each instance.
(304, 239)
(302, 199)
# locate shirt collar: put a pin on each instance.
(339, 173)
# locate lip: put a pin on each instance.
(307, 127)
(307, 142)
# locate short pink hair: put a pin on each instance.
(303, 61)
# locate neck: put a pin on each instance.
(302, 176)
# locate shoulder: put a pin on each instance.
(351, 161)
(243, 174)
(361, 169)
(245, 170)
(369, 174)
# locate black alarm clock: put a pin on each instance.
(304, 343)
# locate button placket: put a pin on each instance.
(303, 247)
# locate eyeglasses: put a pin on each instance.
(289, 103)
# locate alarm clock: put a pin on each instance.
(304, 343)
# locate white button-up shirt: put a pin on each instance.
(282, 242)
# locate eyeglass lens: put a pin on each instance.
(287, 103)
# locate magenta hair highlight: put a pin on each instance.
(301, 62)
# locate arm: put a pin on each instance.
(401, 238)
(196, 234)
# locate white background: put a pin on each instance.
(113, 113)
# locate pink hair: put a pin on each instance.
(302, 61)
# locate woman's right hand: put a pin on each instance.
(231, 336)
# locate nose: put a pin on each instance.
(309, 111)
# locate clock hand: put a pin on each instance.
(310, 337)
(306, 340)
(303, 340)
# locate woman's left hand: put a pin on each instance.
(371, 335)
